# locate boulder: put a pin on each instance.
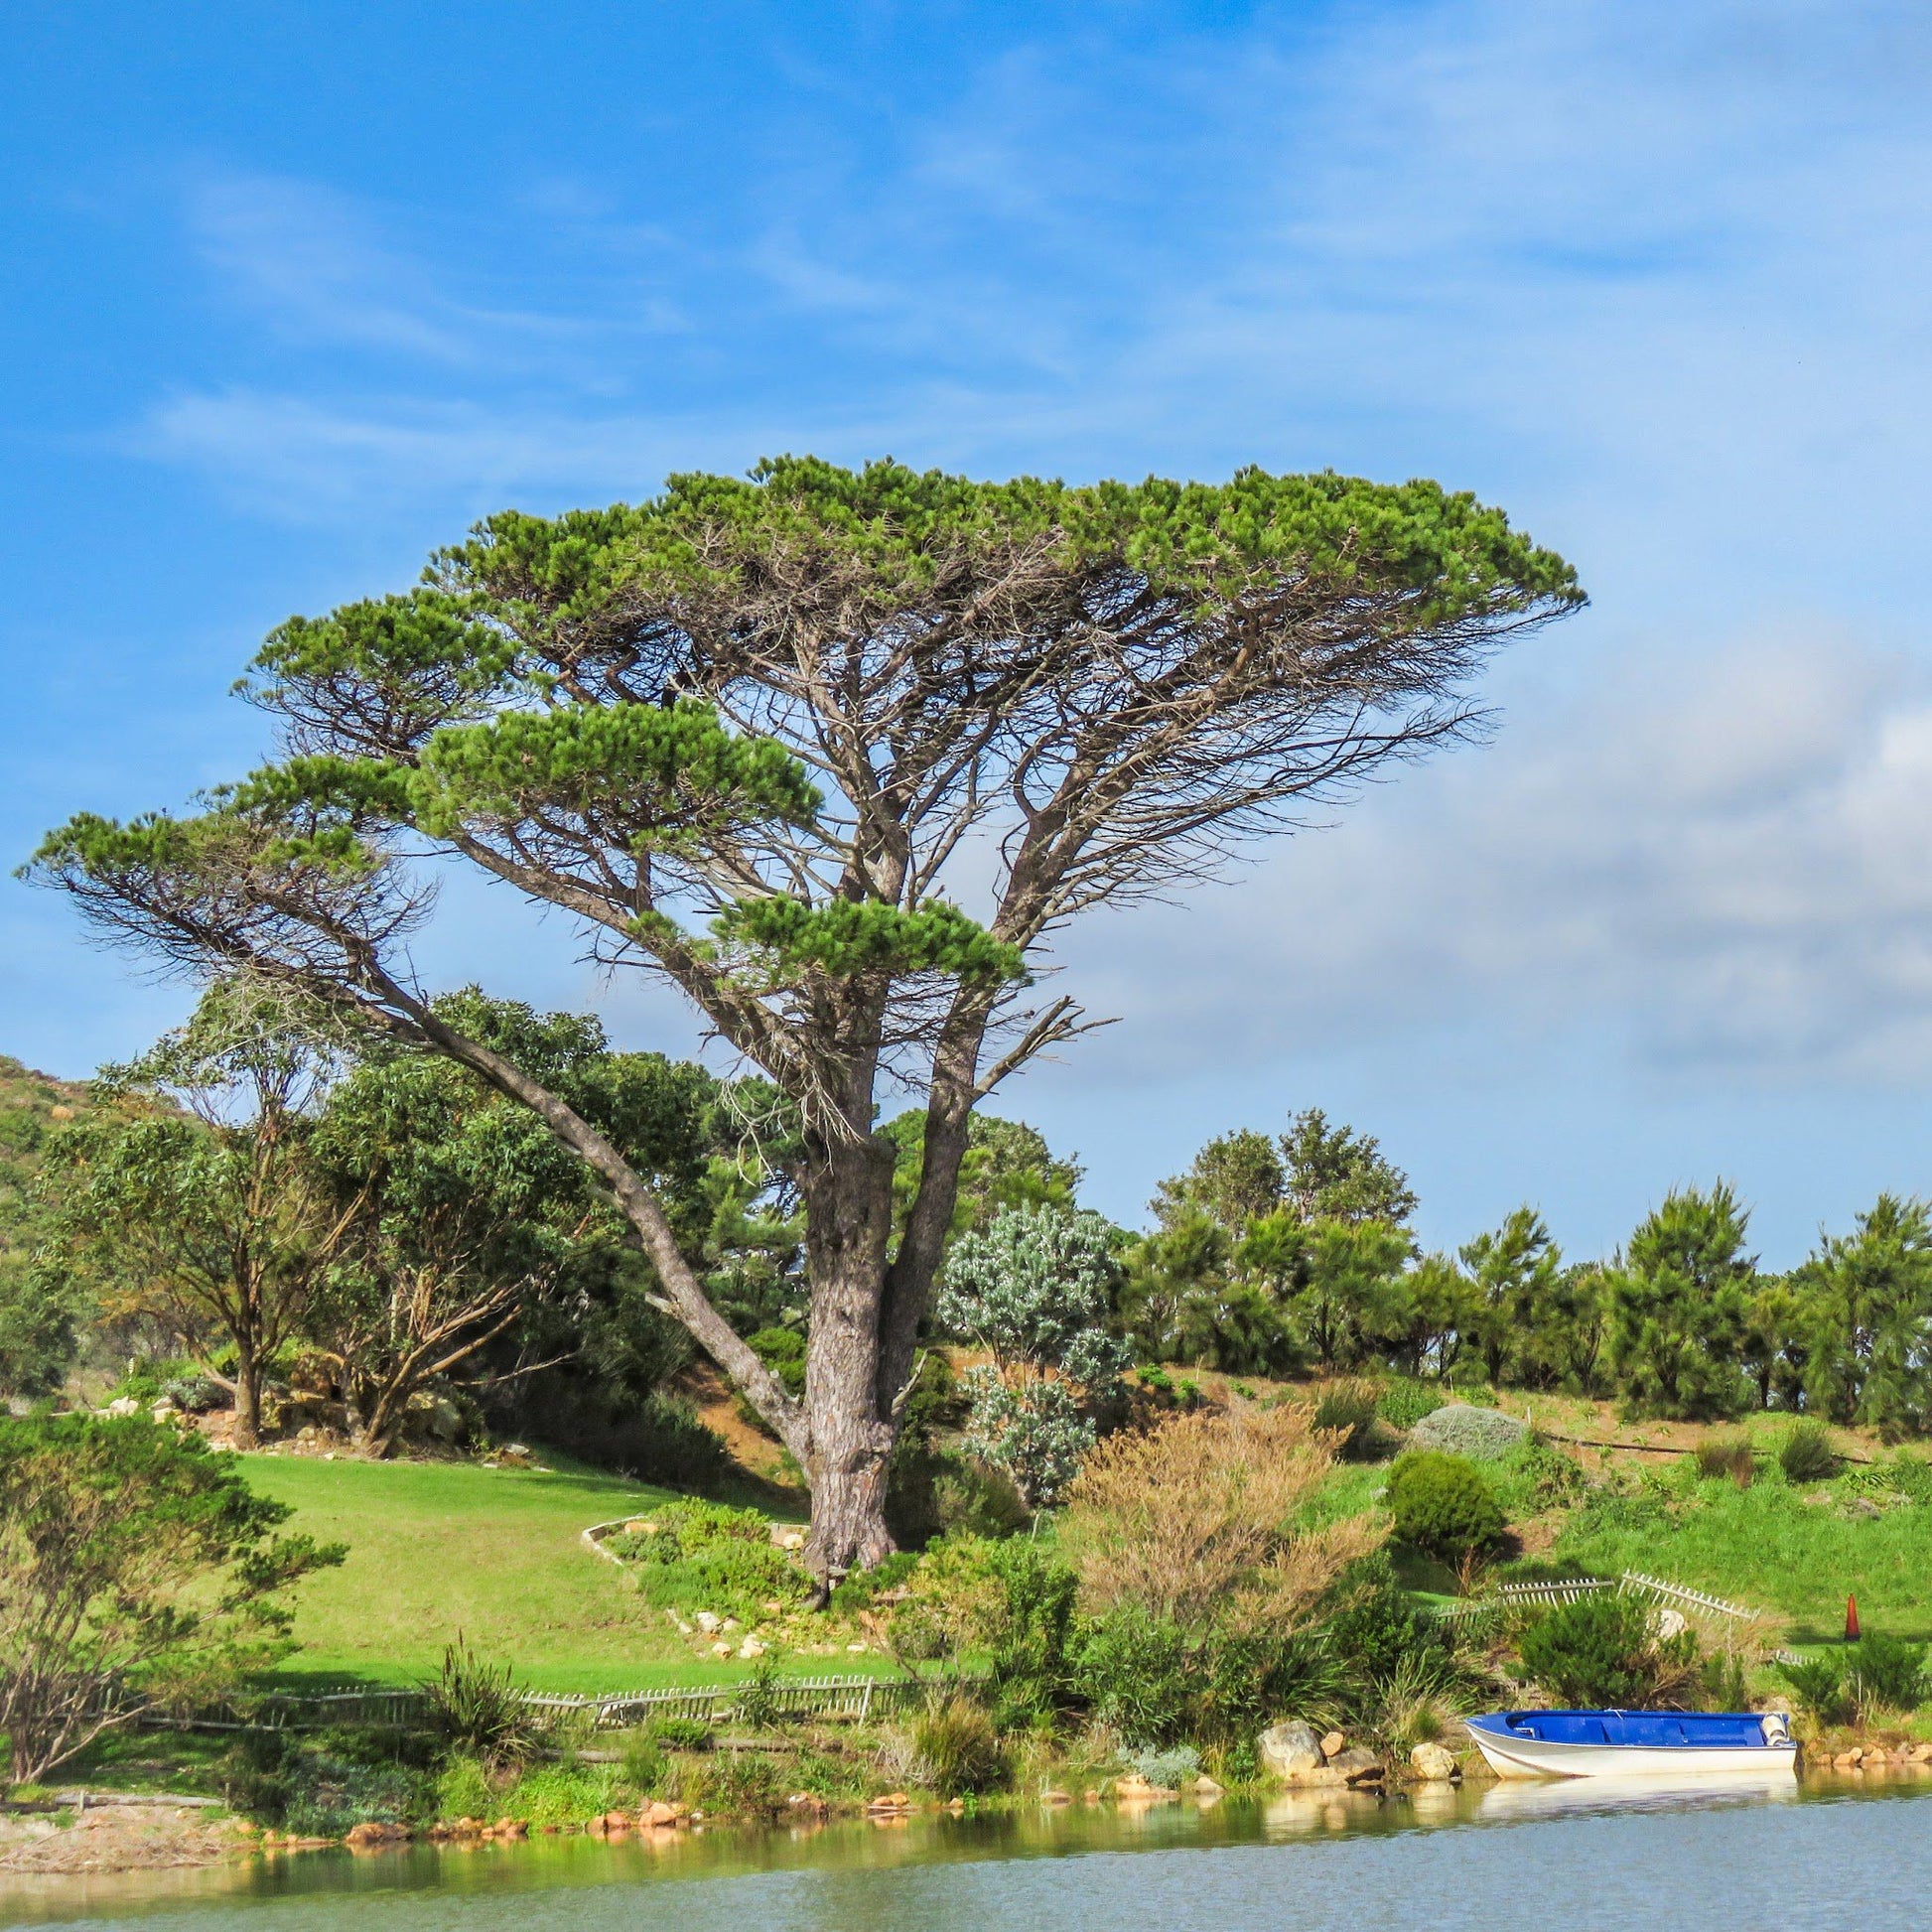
(1359, 1766)
(1332, 1743)
(1432, 1762)
(657, 1816)
(1205, 1787)
(1288, 1750)
(1462, 1430)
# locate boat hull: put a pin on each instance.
(1514, 1750)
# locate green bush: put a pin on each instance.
(783, 1351)
(961, 1748)
(476, 1708)
(1601, 1651)
(1168, 1767)
(1136, 1671)
(708, 1556)
(1806, 1455)
(1404, 1400)
(1818, 1685)
(1443, 1505)
(644, 1763)
(681, 1734)
(1884, 1674)
(560, 1794)
(465, 1791)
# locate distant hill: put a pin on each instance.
(32, 1105)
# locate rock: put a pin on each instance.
(1671, 1624)
(1288, 1750)
(122, 1405)
(1359, 1766)
(1461, 1429)
(1332, 1743)
(856, 1649)
(659, 1815)
(1205, 1787)
(1056, 1797)
(721, 1649)
(750, 1647)
(370, 1833)
(1432, 1762)
(1846, 1762)
(707, 1622)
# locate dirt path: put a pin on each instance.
(119, 1838)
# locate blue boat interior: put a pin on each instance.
(1650, 1730)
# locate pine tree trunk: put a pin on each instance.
(849, 1212)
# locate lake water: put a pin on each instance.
(1548, 1856)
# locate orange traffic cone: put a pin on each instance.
(1851, 1619)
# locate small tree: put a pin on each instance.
(1681, 1303)
(1333, 1173)
(1035, 1290)
(1514, 1269)
(198, 1204)
(134, 1561)
(1864, 1308)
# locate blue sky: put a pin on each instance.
(293, 293)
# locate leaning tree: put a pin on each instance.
(763, 736)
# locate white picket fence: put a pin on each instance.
(856, 1698)
(1633, 1582)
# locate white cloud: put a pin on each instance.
(1724, 861)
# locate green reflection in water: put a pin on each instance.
(856, 1876)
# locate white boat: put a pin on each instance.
(1622, 1744)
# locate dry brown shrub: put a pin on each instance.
(1197, 1517)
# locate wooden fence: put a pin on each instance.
(1632, 1582)
(818, 1698)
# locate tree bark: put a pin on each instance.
(849, 1220)
(247, 1393)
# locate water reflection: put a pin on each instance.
(1226, 1866)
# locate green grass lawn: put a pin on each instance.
(1795, 1552)
(438, 1548)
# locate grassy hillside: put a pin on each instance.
(438, 1548)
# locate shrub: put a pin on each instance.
(559, 1794)
(681, 1734)
(757, 1704)
(1404, 1400)
(475, 1708)
(1028, 1639)
(783, 1351)
(1352, 1407)
(1603, 1650)
(197, 1395)
(1727, 1458)
(744, 1785)
(465, 1791)
(1443, 1505)
(1481, 1435)
(1806, 1455)
(1136, 1671)
(1170, 1767)
(644, 1763)
(1884, 1674)
(1818, 1685)
(711, 1556)
(1194, 1518)
(1536, 1475)
(960, 1747)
